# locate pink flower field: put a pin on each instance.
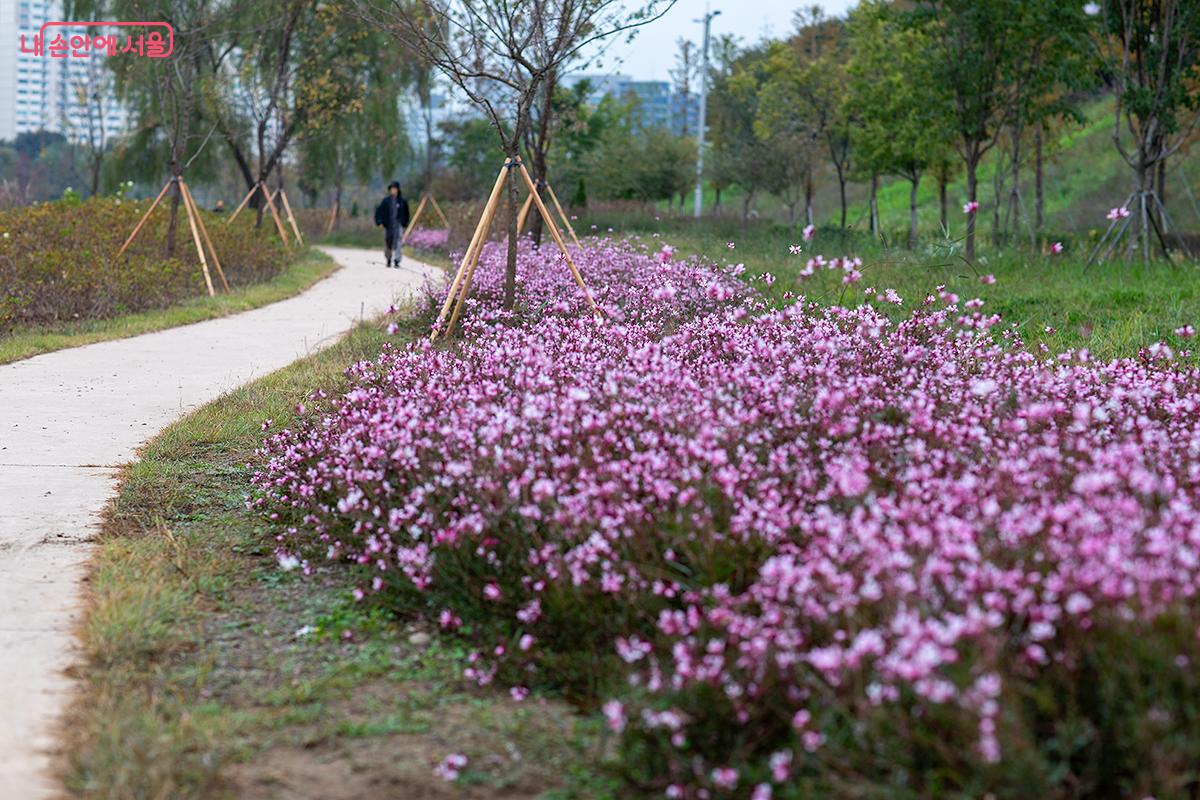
(429, 238)
(790, 552)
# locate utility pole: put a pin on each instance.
(708, 17)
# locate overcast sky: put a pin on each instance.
(652, 53)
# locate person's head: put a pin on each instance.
(394, 188)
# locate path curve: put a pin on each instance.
(69, 419)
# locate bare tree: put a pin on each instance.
(686, 69)
(499, 53)
(1150, 51)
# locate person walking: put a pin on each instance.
(392, 215)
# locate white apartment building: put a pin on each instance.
(69, 95)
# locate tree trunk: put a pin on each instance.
(510, 267)
(1014, 195)
(747, 203)
(1039, 214)
(874, 206)
(915, 179)
(943, 200)
(972, 192)
(808, 196)
(716, 209)
(841, 174)
(337, 205)
(1161, 190)
(173, 220)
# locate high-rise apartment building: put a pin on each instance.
(71, 95)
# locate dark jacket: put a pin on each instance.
(392, 213)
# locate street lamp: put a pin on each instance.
(707, 21)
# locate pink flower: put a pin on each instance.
(451, 766)
(1185, 332)
(491, 591)
(614, 714)
(809, 232)
(987, 280)
(795, 249)
(761, 792)
(970, 207)
(731, 245)
(1120, 212)
(725, 778)
(1056, 248)
(518, 693)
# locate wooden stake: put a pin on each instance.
(438, 209)
(490, 216)
(187, 196)
(275, 215)
(412, 222)
(475, 241)
(145, 217)
(523, 214)
(567, 222)
(554, 232)
(291, 217)
(332, 219)
(199, 247)
(242, 204)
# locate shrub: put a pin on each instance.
(801, 552)
(58, 261)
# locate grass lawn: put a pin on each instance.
(209, 672)
(1113, 309)
(308, 268)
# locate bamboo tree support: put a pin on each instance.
(333, 215)
(242, 204)
(557, 236)
(138, 228)
(412, 223)
(427, 201)
(458, 284)
(270, 204)
(433, 201)
(470, 277)
(562, 214)
(191, 201)
(291, 217)
(460, 287)
(195, 224)
(523, 214)
(196, 238)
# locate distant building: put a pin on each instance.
(68, 95)
(656, 105)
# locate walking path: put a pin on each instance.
(69, 419)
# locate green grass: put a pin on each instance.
(1113, 309)
(307, 268)
(196, 684)
(1084, 177)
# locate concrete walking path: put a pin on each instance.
(70, 419)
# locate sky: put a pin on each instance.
(652, 53)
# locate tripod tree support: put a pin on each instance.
(291, 217)
(523, 216)
(199, 223)
(138, 228)
(427, 200)
(460, 287)
(270, 204)
(195, 224)
(1147, 204)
